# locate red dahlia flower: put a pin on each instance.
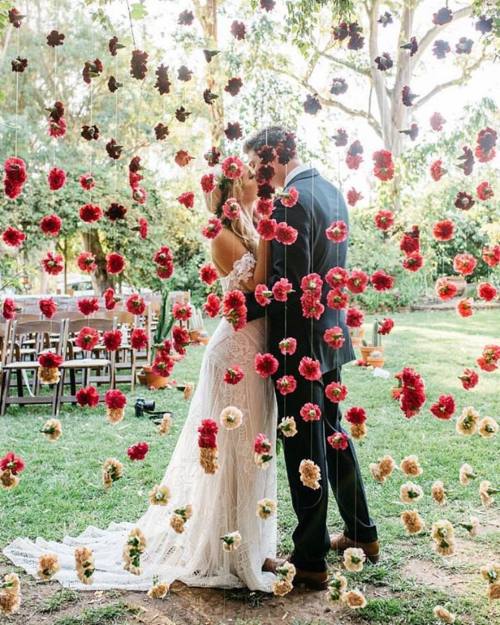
(56, 178)
(138, 451)
(312, 283)
(87, 396)
(86, 262)
(51, 225)
(88, 305)
(87, 182)
(50, 360)
(263, 295)
(114, 398)
(264, 207)
(139, 339)
(208, 273)
(48, 307)
(9, 308)
(410, 241)
(110, 299)
(135, 304)
(208, 434)
(112, 340)
(231, 209)
(491, 255)
(290, 197)
(312, 308)
(354, 317)
(412, 394)
(444, 407)
(353, 196)
(386, 326)
(267, 228)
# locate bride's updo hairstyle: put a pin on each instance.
(243, 226)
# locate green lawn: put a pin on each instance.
(61, 493)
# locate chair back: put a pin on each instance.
(101, 324)
(43, 333)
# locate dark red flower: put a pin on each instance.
(114, 398)
(233, 86)
(310, 369)
(384, 219)
(88, 305)
(464, 201)
(407, 96)
(238, 30)
(410, 241)
(143, 228)
(13, 237)
(383, 168)
(265, 365)
(87, 182)
(386, 326)
(11, 462)
(115, 263)
(90, 133)
(51, 225)
(138, 64)
(233, 131)
(87, 338)
(52, 263)
(161, 131)
(212, 305)
(55, 39)
(138, 451)
(15, 170)
(486, 291)
(48, 307)
(466, 161)
(486, 142)
(87, 396)
(135, 304)
(412, 393)
(139, 339)
(56, 178)
(15, 17)
(355, 415)
(413, 261)
(337, 299)
(267, 5)
(185, 18)
(354, 317)
(353, 196)
(186, 199)
(115, 211)
(312, 104)
(92, 69)
(110, 299)
(443, 230)
(112, 340)
(267, 228)
(86, 262)
(208, 273)
(19, 64)
(90, 213)
(484, 191)
(114, 46)
(469, 379)
(50, 359)
(444, 407)
(9, 308)
(113, 149)
(208, 434)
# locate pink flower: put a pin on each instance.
(281, 289)
(312, 283)
(265, 365)
(231, 209)
(212, 305)
(186, 199)
(262, 294)
(267, 228)
(357, 281)
(334, 337)
(181, 311)
(264, 207)
(338, 440)
(288, 346)
(337, 299)
(354, 317)
(337, 277)
(310, 412)
(233, 375)
(286, 384)
(285, 234)
(443, 230)
(337, 231)
(261, 445)
(336, 392)
(290, 197)
(232, 167)
(310, 369)
(312, 308)
(213, 228)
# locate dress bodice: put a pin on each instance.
(242, 271)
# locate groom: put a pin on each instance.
(319, 204)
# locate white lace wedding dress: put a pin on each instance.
(222, 503)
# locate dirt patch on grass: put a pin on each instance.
(429, 574)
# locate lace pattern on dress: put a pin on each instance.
(241, 272)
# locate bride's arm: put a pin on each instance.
(261, 267)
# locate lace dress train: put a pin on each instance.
(221, 503)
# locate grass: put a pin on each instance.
(113, 614)
(61, 493)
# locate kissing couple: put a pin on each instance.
(263, 374)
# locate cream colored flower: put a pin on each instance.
(336, 587)
(485, 492)
(354, 559)
(411, 466)
(443, 535)
(487, 427)
(52, 429)
(132, 551)
(165, 424)
(491, 572)
(10, 594)
(354, 599)
(310, 474)
(112, 470)
(84, 564)
(231, 418)
(410, 492)
(159, 495)
(467, 422)
(438, 492)
(179, 517)
(358, 430)
(286, 571)
(412, 521)
(8, 480)
(115, 415)
(49, 375)
(466, 474)
(209, 459)
(266, 508)
(288, 427)
(159, 590)
(494, 591)
(383, 468)
(188, 391)
(48, 565)
(231, 541)
(281, 587)
(472, 526)
(442, 614)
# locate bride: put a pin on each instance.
(223, 502)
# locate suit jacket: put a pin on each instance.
(320, 203)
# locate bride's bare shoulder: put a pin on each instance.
(226, 248)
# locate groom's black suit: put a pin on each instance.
(320, 203)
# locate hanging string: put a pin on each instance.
(17, 94)
(131, 23)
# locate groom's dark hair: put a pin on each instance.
(272, 135)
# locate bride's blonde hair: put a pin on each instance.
(243, 227)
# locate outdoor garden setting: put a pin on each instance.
(249, 304)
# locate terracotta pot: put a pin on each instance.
(152, 380)
(366, 351)
(376, 358)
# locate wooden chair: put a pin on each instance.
(85, 364)
(22, 362)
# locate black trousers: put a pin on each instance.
(339, 468)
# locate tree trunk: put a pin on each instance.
(100, 278)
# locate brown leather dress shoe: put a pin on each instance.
(340, 543)
(310, 579)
